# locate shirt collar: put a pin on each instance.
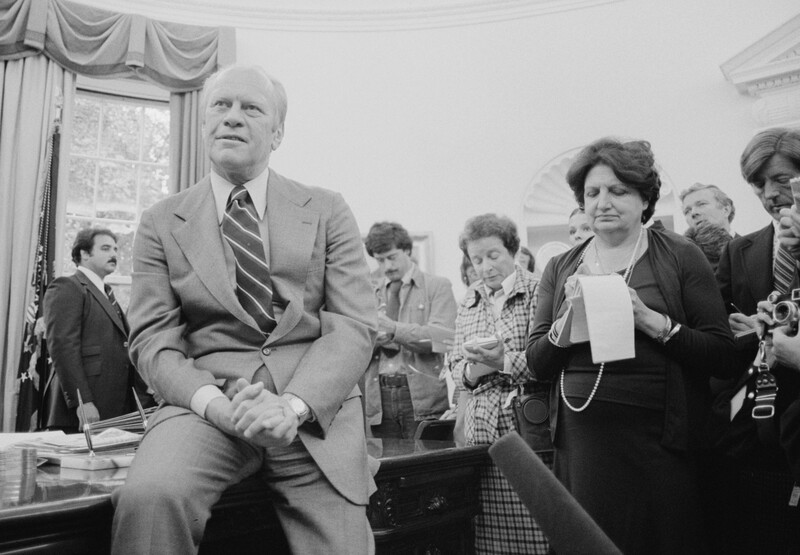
(507, 286)
(257, 188)
(96, 280)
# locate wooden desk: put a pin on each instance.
(427, 495)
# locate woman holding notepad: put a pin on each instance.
(625, 431)
(488, 361)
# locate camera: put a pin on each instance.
(786, 309)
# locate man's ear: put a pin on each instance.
(277, 137)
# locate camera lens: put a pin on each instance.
(784, 313)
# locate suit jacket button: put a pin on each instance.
(125, 344)
(265, 351)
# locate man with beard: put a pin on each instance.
(87, 336)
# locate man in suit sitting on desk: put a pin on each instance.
(87, 336)
(252, 317)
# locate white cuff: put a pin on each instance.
(202, 397)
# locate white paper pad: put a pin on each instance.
(609, 317)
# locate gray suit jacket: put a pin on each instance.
(189, 330)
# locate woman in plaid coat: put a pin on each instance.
(499, 305)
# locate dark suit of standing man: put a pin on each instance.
(755, 481)
(87, 337)
(239, 399)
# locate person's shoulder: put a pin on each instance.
(296, 190)
(749, 238)
(433, 279)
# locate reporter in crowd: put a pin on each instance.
(753, 480)
(500, 305)
(579, 228)
(626, 433)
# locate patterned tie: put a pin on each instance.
(253, 282)
(113, 300)
(783, 270)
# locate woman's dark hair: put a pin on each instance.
(711, 239)
(490, 225)
(632, 162)
(765, 145)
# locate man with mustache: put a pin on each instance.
(87, 336)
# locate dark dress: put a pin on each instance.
(629, 458)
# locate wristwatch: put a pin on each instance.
(299, 407)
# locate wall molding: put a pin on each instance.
(344, 16)
(769, 71)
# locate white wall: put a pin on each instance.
(431, 127)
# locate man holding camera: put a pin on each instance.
(754, 423)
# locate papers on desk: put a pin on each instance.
(113, 448)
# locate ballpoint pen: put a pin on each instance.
(87, 431)
(140, 409)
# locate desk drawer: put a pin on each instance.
(414, 498)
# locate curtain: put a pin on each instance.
(104, 44)
(30, 89)
(188, 161)
(42, 42)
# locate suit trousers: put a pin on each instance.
(185, 463)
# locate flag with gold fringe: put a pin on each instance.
(34, 366)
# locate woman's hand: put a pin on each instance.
(493, 357)
(645, 319)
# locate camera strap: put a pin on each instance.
(766, 391)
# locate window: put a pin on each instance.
(118, 166)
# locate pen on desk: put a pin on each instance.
(140, 409)
(87, 428)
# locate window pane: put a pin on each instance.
(121, 131)
(71, 228)
(110, 183)
(156, 136)
(116, 191)
(80, 200)
(124, 233)
(86, 122)
(154, 183)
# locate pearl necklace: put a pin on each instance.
(627, 278)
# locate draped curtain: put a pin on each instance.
(43, 44)
(29, 90)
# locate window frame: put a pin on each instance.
(135, 91)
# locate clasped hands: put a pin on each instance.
(256, 415)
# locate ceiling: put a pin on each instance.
(341, 15)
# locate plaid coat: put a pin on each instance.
(487, 417)
(503, 525)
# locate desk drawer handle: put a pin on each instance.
(437, 503)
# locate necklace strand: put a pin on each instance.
(627, 278)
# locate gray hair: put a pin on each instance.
(719, 195)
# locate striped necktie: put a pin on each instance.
(783, 270)
(253, 281)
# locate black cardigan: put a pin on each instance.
(703, 347)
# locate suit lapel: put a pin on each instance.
(197, 234)
(101, 298)
(292, 234)
(756, 256)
